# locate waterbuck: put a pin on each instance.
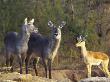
(93, 58)
(17, 43)
(45, 48)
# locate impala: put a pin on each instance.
(93, 58)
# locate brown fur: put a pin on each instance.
(98, 55)
(94, 58)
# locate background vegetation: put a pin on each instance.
(87, 17)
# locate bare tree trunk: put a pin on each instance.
(99, 18)
(72, 9)
(53, 2)
(99, 26)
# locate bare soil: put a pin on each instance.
(57, 76)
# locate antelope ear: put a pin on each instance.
(84, 39)
(79, 38)
(62, 24)
(32, 21)
(25, 21)
(50, 24)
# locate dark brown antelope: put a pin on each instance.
(45, 48)
(17, 43)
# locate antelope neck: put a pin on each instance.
(55, 43)
(84, 51)
(24, 37)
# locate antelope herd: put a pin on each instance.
(29, 43)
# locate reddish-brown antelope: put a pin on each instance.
(93, 58)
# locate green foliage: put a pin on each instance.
(81, 16)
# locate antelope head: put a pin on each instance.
(56, 31)
(29, 27)
(81, 41)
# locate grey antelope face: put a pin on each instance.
(81, 41)
(29, 27)
(56, 31)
